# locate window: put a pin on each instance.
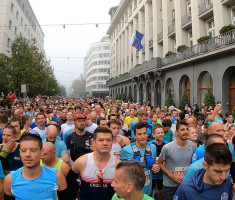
(15, 30)
(17, 15)
(12, 7)
(8, 42)
(190, 38)
(21, 21)
(10, 24)
(211, 28)
(173, 14)
(233, 16)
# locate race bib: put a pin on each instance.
(147, 177)
(117, 154)
(180, 171)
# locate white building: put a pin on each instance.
(18, 19)
(96, 67)
(166, 25)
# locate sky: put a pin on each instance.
(73, 40)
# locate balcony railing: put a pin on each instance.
(159, 36)
(150, 43)
(186, 19)
(171, 28)
(206, 5)
(221, 41)
(121, 78)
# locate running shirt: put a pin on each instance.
(43, 187)
(40, 131)
(116, 150)
(146, 197)
(79, 144)
(96, 184)
(12, 162)
(57, 166)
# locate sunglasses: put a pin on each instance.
(31, 132)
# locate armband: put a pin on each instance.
(8, 197)
(4, 153)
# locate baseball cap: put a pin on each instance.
(79, 116)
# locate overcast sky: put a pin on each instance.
(71, 41)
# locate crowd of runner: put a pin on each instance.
(96, 149)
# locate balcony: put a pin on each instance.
(214, 44)
(205, 9)
(159, 36)
(227, 2)
(186, 19)
(151, 43)
(171, 28)
(119, 79)
(150, 65)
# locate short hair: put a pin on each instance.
(133, 171)
(114, 121)
(78, 107)
(143, 114)
(15, 119)
(4, 118)
(100, 119)
(227, 114)
(12, 128)
(25, 118)
(32, 137)
(157, 126)
(181, 123)
(211, 137)
(41, 113)
(218, 153)
(139, 126)
(111, 116)
(166, 123)
(101, 130)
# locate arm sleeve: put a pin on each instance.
(64, 195)
(72, 184)
(68, 142)
(7, 197)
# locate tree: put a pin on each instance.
(209, 99)
(27, 65)
(184, 100)
(79, 86)
(62, 90)
(129, 97)
(169, 101)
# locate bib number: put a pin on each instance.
(147, 177)
(180, 171)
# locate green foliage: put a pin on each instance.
(203, 38)
(225, 29)
(184, 100)
(169, 101)
(129, 97)
(209, 99)
(233, 112)
(79, 86)
(169, 53)
(124, 97)
(118, 97)
(181, 48)
(7, 102)
(27, 66)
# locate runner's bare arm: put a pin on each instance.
(62, 185)
(7, 188)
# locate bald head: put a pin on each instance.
(48, 155)
(215, 127)
(93, 117)
(51, 133)
(49, 147)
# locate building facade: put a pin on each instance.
(167, 25)
(97, 68)
(18, 19)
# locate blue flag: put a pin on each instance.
(137, 41)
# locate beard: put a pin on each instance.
(81, 129)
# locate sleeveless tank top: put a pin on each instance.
(57, 166)
(116, 150)
(96, 184)
(43, 187)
